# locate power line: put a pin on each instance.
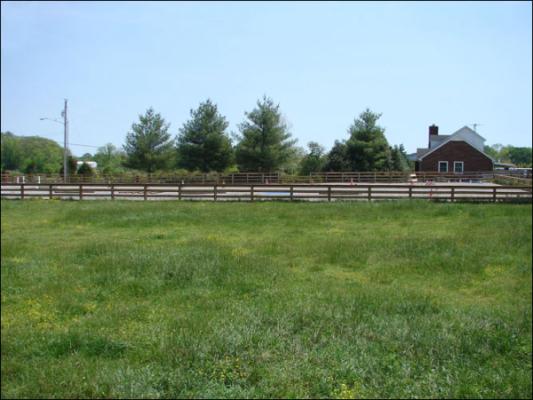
(70, 144)
(84, 145)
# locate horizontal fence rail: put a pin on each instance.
(236, 178)
(511, 180)
(258, 192)
(421, 176)
(276, 177)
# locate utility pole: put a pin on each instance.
(65, 127)
(65, 146)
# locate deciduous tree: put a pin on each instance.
(30, 154)
(109, 159)
(314, 160)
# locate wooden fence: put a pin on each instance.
(511, 180)
(268, 178)
(291, 192)
(210, 178)
(421, 176)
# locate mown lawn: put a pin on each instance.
(179, 299)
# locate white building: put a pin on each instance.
(92, 164)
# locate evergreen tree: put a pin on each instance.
(203, 143)
(406, 164)
(265, 143)
(337, 158)
(399, 161)
(395, 159)
(148, 146)
(367, 147)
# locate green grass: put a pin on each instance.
(180, 299)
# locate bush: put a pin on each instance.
(72, 166)
(85, 170)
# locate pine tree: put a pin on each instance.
(337, 158)
(203, 143)
(265, 143)
(148, 146)
(367, 147)
(396, 160)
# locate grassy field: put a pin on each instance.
(178, 299)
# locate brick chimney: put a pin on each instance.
(433, 131)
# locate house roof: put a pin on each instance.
(469, 129)
(420, 152)
(452, 139)
(501, 164)
(439, 138)
(443, 139)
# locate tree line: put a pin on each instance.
(519, 156)
(203, 144)
(264, 144)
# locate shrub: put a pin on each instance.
(85, 170)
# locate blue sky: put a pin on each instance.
(451, 64)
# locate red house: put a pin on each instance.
(459, 152)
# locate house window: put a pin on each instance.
(443, 166)
(458, 167)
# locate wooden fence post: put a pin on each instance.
(112, 192)
(215, 193)
(179, 191)
(251, 190)
(453, 194)
(329, 193)
(50, 191)
(369, 193)
(22, 191)
(494, 195)
(292, 189)
(81, 191)
(410, 192)
(145, 194)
